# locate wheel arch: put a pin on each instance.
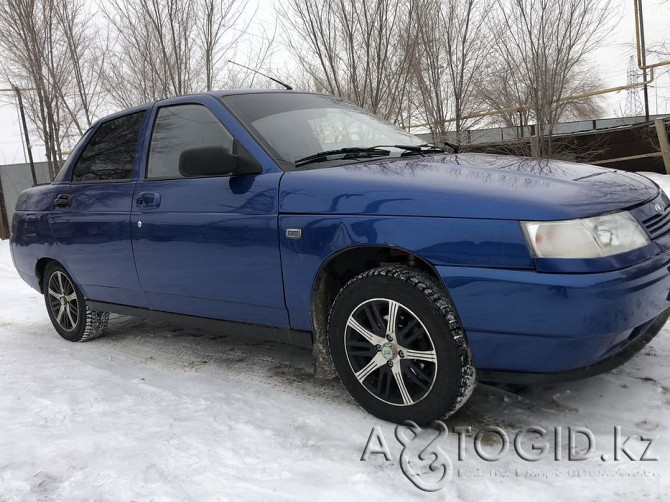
(40, 269)
(335, 271)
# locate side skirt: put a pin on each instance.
(285, 335)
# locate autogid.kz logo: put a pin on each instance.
(424, 461)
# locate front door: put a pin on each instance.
(206, 246)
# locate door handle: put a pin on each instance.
(63, 200)
(147, 200)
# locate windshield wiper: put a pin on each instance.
(369, 151)
(417, 149)
(349, 153)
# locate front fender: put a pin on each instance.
(439, 241)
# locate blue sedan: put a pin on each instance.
(297, 217)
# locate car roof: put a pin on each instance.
(233, 92)
(228, 92)
(217, 94)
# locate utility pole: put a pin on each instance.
(644, 62)
(17, 91)
(4, 231)
(25, 132)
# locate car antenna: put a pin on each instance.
(288, 87)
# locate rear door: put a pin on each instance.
(90, 217)
(206, 246)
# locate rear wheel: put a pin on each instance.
(67, 307)
(398, 347)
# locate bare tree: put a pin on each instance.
(430, 68)
(358, 50)
(217, 16)
(168, 48)
(451, 59)
(544, 46)
(28, 42)
(154, 42)
(502, 90)
(468, 49)
(51, 49)
(85, 52)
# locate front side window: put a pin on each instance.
(110, 154)
(179, 128)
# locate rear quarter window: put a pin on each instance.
(62, 172)
(110, 154)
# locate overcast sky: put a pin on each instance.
(610, 61)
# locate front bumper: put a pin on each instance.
(622, 355)
(524, 323)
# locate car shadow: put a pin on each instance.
(279, 364)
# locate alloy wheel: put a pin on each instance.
(390, 352)
(63, 301)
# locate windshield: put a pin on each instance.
(296, 125)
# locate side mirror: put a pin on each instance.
(246, 163)
(217, 161)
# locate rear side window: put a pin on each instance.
(110, 154)
(179, 128)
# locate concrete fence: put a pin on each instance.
(15, 178)
(500, 134)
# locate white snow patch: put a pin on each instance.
(662, 180)
(158, 412)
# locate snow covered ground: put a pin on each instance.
(157, 412)
(662, 180)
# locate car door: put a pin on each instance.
(90, 217)
(206, 246)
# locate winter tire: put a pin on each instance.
(398, 346)
(67, 307)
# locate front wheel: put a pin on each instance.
(67, 307)
(398, 346)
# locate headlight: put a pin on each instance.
(587, 238)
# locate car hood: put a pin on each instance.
(465, 186)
